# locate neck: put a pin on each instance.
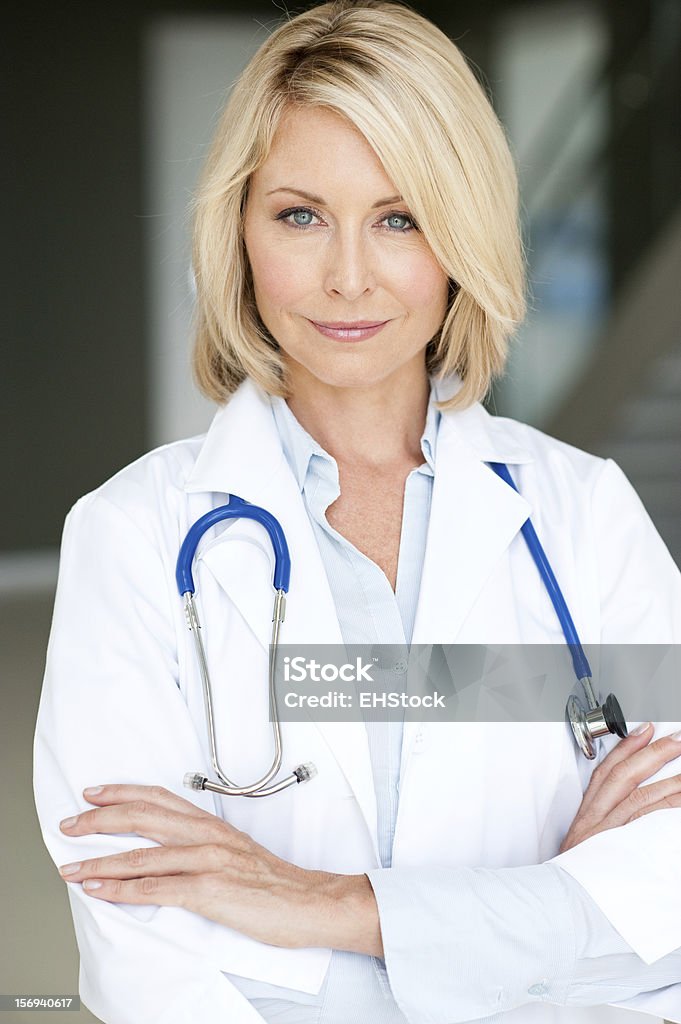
(377, 426)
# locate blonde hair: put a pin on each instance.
(408, 89)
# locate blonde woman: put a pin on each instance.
(359, 274)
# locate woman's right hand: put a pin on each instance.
(614, 795)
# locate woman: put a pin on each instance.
(359, 177)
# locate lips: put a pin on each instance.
(356, 330)
(351, 325)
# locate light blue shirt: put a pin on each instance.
(537, 935)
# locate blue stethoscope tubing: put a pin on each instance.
(595, 720)
(587, 723)
(236, 509)
(579, 660)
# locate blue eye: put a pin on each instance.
(400, 216)
(286, 215)
(305, 213)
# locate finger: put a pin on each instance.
(625, 748)
(669, 801)
(142, 818)
(627, 774)
(646, 798)
(119, 793)
(155, 861)
(170, 891)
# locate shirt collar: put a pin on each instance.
(299, 446)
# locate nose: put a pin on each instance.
(349, 269)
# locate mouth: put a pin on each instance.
(353, 331)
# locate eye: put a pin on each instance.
(297, 211)
(401, 216)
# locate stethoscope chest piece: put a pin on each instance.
(601, 719)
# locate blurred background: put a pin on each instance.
(111, 111)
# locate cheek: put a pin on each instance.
(277, 276)
(423, 285)
(410, 272)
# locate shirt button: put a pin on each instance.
(539, 989)
(400, 667)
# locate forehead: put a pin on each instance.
(314, 145)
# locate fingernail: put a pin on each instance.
(70, 869)
(675, 736)
(640, 729)
(90, 883)
(92, 790)
(69, 822)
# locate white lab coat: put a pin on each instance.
(122, 698)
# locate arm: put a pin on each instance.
(111, 710)
(581, 944)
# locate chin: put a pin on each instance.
(359, 376)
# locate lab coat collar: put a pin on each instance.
(241, 449)
(226, 455)
(485, 435)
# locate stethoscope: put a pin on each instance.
(587, 723)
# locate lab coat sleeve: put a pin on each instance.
(605, 960)
(111, 711)
(467, 943)
(633, 873)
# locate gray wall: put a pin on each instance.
(72, 394)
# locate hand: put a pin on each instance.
(205, 865)
(614, 795)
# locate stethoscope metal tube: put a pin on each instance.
(595, 720)
(237, 507)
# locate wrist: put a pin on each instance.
(347, 914)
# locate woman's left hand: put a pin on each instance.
(211, 868)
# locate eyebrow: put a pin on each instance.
(322, 202)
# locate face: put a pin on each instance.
(350, 254)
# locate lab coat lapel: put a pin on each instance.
(242, 455)
(474, 517)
